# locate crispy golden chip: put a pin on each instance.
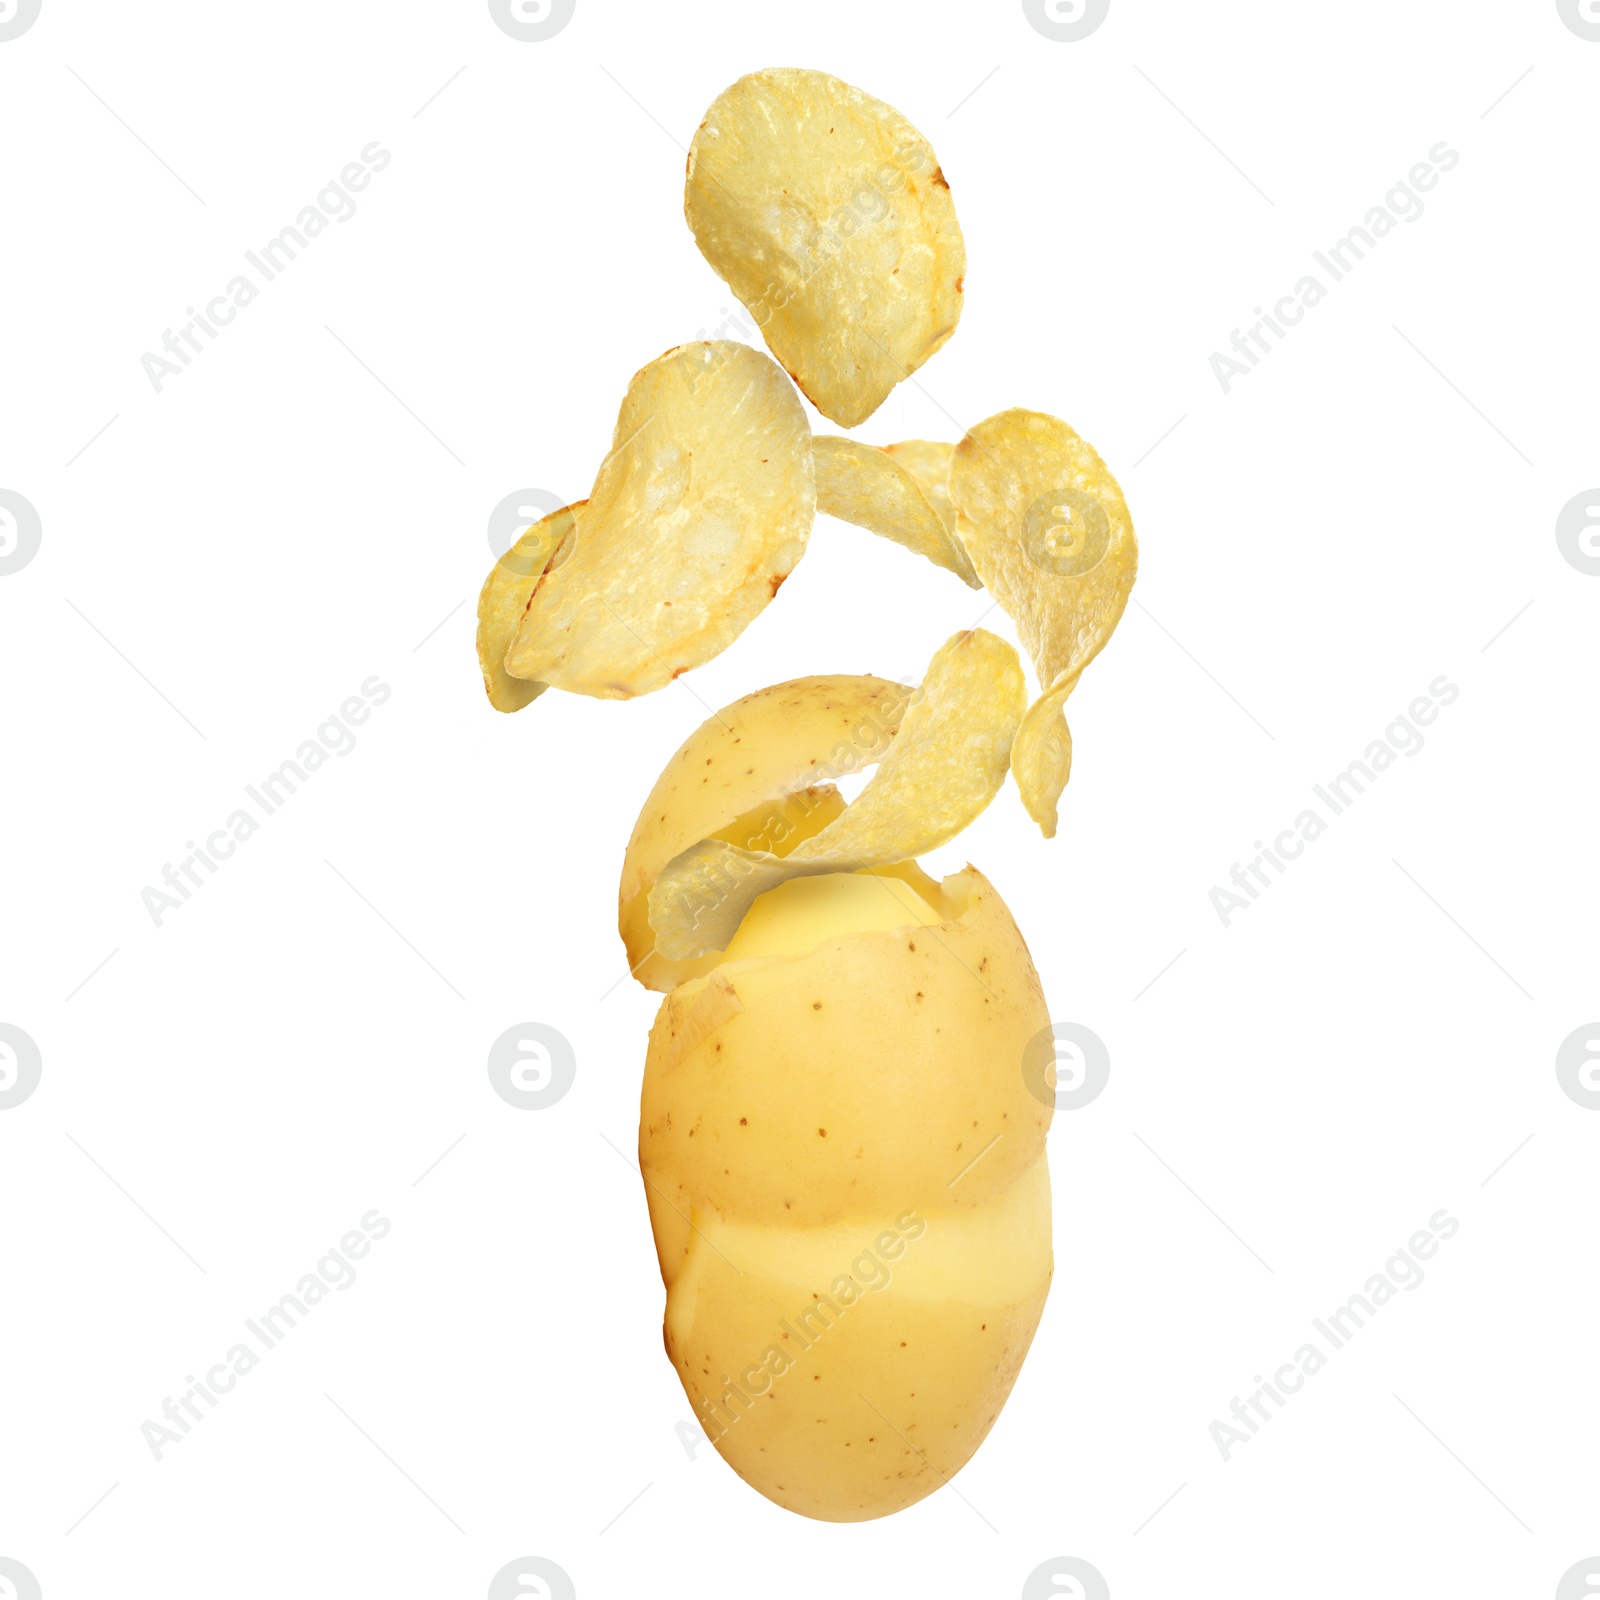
(1049, 533)
(943, 767)
(696, 517)
(928, 461)
(505, 596)
(826, 213)
(1041, 755)
(862, 484)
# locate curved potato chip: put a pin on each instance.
(928, 461)
(505, 596)
(826, 213)
(1041, 755)
(696, 517)
(943, 767)
(862, 484)
(1049, 533)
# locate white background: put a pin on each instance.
(1290, 1099)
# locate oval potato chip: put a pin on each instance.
(827, 214)
(505, 596)
(696, 518)
(943, 767)
(862, 484)
(1049, 533)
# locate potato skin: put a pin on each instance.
(760, 752)
(865, 1096)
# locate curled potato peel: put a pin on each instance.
(945, 765)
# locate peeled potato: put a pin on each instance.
(843, 1161)
(827, 214)
(695, 519)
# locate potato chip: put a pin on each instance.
(1041, 755)
(827, 214)
(696, 518)
(1049, 533)
(928, 461)
(862, 484)
(943, 767)
(505, 596)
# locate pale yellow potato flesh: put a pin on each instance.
(847, 1183)
(827, 214)
(696, 517)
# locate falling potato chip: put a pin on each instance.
(1049, 533)
(827, 214)
(928, 461)
(1041, 755)
(943, 767)
(862, 484)
(696, 517)
(505, 596)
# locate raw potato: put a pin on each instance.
(827, 214)
(696, 518)
(505, 596)
(844, 1165)
(1049, 533)
(861, 484)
